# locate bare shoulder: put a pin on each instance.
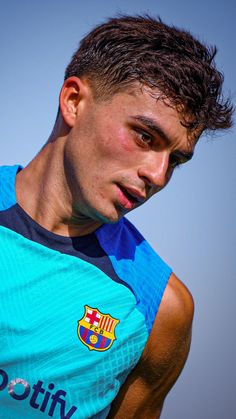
(166, 351)
(175, 312)
(172, 326)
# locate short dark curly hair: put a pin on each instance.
(131, 49)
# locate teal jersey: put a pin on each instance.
(75, 313)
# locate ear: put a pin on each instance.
(72, 92)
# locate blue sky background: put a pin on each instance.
(192, 222)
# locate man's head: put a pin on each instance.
(124, 51)
(136, 97)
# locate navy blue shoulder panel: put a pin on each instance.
(137, 264)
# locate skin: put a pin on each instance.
(102, 160)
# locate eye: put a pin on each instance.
(144, 138)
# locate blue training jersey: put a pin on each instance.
(75, 313)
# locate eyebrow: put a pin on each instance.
(153, 126)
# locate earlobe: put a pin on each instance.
(70, 96)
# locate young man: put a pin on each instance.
(94, 323)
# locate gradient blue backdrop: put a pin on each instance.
(192, 222)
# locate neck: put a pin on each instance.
(44, 194)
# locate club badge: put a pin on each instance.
(97, 330)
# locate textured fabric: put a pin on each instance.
(75, 314)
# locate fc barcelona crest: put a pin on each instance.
(97, 330)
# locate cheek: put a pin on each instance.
(116, 147)
(124, 141)
(121, 147)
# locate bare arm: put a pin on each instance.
(143, 394)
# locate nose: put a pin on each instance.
(154, 171)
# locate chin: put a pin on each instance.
(106, 217)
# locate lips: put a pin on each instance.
(129, 197)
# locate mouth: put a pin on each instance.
(129, 198)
